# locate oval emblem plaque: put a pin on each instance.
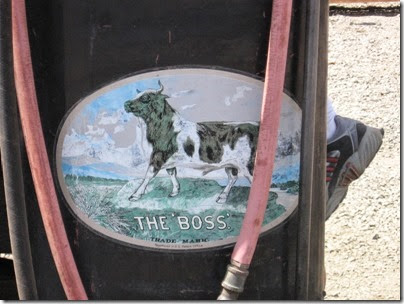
(165, 159)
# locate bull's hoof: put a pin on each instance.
(134, 197)
(221, 199)
(172, 194)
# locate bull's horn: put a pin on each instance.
(161, 87)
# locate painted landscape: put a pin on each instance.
(101, 200)
(104, 154)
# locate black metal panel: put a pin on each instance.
(8, 288)
(4, 233)
(79, 46)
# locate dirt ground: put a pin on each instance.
(362, 250)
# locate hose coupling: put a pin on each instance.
(233, 282)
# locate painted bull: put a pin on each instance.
(177, 142)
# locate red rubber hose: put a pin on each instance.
(38, 157)
(237, 270)
(268, 133)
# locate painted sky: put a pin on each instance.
(100, 131)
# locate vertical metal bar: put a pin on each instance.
(317, 271)
(308, 143)
(11, 164)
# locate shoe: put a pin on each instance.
(349, 153)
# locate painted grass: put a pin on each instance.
(191, 215)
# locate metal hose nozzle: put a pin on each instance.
(233, 282)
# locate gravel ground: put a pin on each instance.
(362, 250)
